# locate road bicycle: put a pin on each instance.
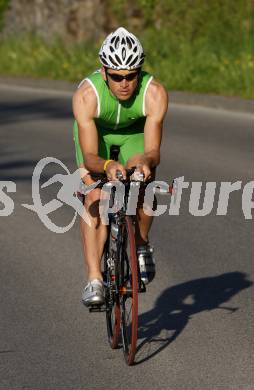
(121, 273)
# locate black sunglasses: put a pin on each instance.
(119, 77)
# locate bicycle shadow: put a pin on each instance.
(177, 304)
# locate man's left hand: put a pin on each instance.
(143, 167)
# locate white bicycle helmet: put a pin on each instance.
(121, 50)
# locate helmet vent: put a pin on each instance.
(124, 53)
(133, 62)
(141, 61)
(111, 49)
(135, 49)
(118, 59)
(129, 59)
(103, 61)
(113, 61)
(129, 42)
(117, 42)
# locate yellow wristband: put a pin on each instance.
(106, 164)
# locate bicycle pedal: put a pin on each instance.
(97, 308)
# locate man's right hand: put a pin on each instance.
(113, 169)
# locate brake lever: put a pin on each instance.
(119, 175)
(138, 176)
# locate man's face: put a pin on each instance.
(122, 89)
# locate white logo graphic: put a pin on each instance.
(5, 199)
(70, 184)
(201, 197)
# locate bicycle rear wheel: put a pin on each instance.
(113, 312)
(129, 292)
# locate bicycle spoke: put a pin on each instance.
(113, 311)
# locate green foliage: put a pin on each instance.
(194, 45)
(31, 56)
(118, 9)
(3, 6)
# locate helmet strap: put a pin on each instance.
(106, 73)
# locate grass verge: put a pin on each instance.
(179, 65)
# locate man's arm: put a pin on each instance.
(84, 108)
(156, 104)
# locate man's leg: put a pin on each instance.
(144, 249)
(94, 236)
(144, 221)
(144, 226)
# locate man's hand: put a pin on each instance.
(113, 169)
(143, 167)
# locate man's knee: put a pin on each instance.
(92, 200)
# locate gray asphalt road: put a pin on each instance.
(196, 320)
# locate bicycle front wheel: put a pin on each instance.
(129, 292)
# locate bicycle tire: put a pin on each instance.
(129, 292)
(113, 311)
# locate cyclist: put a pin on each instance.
(119, 104)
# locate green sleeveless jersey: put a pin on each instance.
(113, 114)
(118, 122)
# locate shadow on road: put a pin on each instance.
(35, 109)
(14, 169)
(7, 351)
(175, 307)
(21, 170)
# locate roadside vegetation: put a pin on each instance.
(191, 45)
(3, 6)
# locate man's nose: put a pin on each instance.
(124, 83)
